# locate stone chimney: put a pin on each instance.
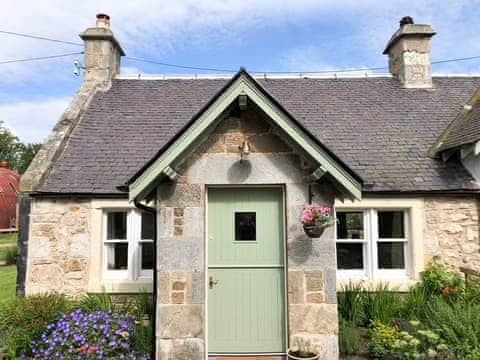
(102, 53)
(409, 54)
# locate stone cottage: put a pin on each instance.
(191, 188)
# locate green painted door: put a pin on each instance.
(246, 294)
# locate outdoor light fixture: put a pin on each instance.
(244, 149)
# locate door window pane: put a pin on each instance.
(350, 225)
(117, 225)
(117, 256)
(146, 250)
(147, 226)
(245, 226)
(391, 255)
(349, 256)
(390, 225)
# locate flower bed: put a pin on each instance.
(54, 327)
(96, 335)
(436, 319)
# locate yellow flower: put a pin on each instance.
(124, 334)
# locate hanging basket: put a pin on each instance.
(294, 356)
(314, 230)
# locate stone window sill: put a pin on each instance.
(394, 284)
(113, 286)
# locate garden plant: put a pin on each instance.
(438, 318)
(52, 326)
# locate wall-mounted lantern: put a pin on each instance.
(244, 149)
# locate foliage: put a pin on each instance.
(317, 215)
(349, 338)
(457, 322)
(26, 153)
(11, 255)
(414, 302)
(17, 154)
(88, 335)
(350, 302)
(441, 279)
(438, 318)
(24, 320)
(302, 348)
(420, 344)
(382, 338)
(381, 304)
(93, 302)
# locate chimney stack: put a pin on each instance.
(102, 53)
(409, 54)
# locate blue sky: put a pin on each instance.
(268, 35)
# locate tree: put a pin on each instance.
(18, 155)
(26, 154)
(8, 146)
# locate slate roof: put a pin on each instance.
(378, 128)
(464, 129)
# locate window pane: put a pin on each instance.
(117, 256)
(350, 225)
(391, 255)
(349, 256)
(245, 226)
(116, 225)
(147, 226)
(390, 225)
(146, 250)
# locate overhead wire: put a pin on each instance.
(200, 68)
(39, 58)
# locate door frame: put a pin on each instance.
(285, 262)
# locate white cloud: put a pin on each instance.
(32, 121)
(163, 27)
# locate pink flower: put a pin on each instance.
(318, 208)
(307, 216)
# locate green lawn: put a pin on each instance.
(8, 278)
(8, 238)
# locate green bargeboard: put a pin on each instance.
(246, 308)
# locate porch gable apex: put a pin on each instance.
(242, 84)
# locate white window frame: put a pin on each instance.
(370, 248)
(356, 273)
(134, 224)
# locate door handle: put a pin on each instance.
(212, 282)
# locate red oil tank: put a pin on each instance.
(9, 182)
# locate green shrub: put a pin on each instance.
(142, 307)
(382, 338)
(414, 302)
(441, 279)
(349, 302)
(381, 304)
(457, 322)
(11, 255)
(472, 289)
(420, 344)
(24, 319)
(98, 301)
(349, 338)
(142, 339)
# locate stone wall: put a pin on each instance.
(59, 246)
(452, 230)
(181, 262)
